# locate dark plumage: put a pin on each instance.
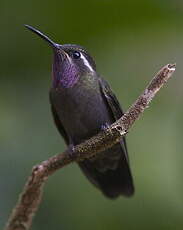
(82, 104)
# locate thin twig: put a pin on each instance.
(28, 203)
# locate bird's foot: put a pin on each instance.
(105, 126)
(71, 150)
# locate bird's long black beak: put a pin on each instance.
(43, 36)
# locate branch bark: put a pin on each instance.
(29, 200)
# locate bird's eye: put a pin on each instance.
(76, 55)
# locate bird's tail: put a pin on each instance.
(112, 182)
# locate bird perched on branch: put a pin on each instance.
(83, 104)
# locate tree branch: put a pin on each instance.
(28, 203)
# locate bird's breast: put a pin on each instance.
(81, 110)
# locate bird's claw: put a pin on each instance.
(104, 126)
(71, 149)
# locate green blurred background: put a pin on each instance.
(130, 41)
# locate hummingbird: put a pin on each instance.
(83, 104)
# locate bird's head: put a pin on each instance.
(71, 62)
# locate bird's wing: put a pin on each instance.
(114, 106)
(58, 123)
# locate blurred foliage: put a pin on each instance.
(130, 41)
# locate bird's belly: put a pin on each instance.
(82, 116)
(86, 121)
